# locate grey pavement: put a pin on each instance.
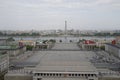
(58, 58)
(66, 46)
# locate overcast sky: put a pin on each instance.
(51, 14)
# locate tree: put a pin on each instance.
(10, 39)
(29, 47)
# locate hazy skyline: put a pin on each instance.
(51, 14)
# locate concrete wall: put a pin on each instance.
(119, 53)
(106, 47)
(18, 77)
(4, 62)
(108, 78)
(17, 51)
(113, 50)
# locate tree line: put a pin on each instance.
(17, 34)
(38, 34)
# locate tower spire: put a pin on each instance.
(65, 31)
(65, 27)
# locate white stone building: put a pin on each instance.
(113, 49)
(4, 64)
(4, 61)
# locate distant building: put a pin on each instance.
(27, 42)
(44, 44)
(88, 45)
(13, 51)
(100, 43)
(113, 49)
(118, 39)
(2, 41)
(6, 41)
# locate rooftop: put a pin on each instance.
(65, 61)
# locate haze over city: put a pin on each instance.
(59, 39)
(51, 14)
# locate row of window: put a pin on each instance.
(41, 79)
(65, 75)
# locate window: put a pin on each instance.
(92, 75)
(41, 74)
(39, 78)
(91, 79)
(69, 74)
(72, 74)
(44, 74)
(47, 74)
(75, 74)
(85, 75)
(50, 74)
(82, 74)
(89, 75)
(53, 74)
(78, 74)
(60, 74)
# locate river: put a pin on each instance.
(62, 38)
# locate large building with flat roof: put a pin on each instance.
(65, 64)
(59, 65)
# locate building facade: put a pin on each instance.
(113, 49)
(13, 51)
(4, 63)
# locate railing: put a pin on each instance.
(110, 74)
(19, 71)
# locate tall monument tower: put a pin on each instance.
(65, 28)
(65, 31)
